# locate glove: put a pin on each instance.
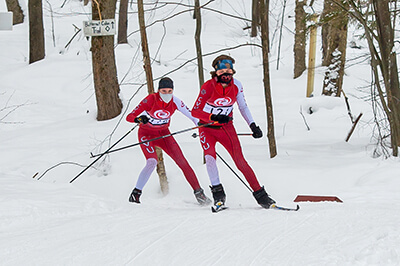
(257, 133)
(133, 119)
(222, 119)
(141, 119)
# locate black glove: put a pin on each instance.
(222, 119)
(141, 119)
(257, 133)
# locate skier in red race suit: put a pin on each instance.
(154, 113)
(215, 103)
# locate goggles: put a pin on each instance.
(224, 63)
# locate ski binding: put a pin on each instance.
(219, 206)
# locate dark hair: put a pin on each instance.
(219, 58)
(165, 83)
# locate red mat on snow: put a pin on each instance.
(316, 198)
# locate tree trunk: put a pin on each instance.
(383, 58)
(325, 28)
(197, 14)
(335, 21)
(264, 8)
(105, 78)
(389, 67)
(150, 88)
(18, 14)
(311, 56)
(299, 48)
(162, 174)
(145, 48)
(255, 18)
(123, 22)
(280, 34)
(36, 31)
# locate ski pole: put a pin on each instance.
(194, 135)
(150, 140)
(244, 183)
(101, 155)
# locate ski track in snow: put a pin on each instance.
(131, 261)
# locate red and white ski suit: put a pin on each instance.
(215, 99)
(159, 114)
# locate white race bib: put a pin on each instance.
(154, 121)
(217, 110)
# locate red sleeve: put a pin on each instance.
(144, 105)
(204, 95)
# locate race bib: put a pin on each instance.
(159, 117)
(217, 110)
(158, 122)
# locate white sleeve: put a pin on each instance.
(184, 109)
(241, 101)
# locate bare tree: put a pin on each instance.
(123, 22)
(380, 38)
(389, 67)
(299, 48)
(106, 85)
(334, 23)
(18, 14)
(36, 31)
(264, 9)
(255, 20)
(197, 15)
(150, 88)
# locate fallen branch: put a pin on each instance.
(54, 166)
(353, 127)
(304, 119)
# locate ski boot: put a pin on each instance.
(218, 194)
(262, 198)
(135, 195)
(202, 199)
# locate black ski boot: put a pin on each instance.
(135, 195)
(202, 199)
(262, 198)
(218, 194)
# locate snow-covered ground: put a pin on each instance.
(47, 117)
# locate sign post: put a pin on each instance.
(6, 20)
(99, 27)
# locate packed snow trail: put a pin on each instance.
(46, 224)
